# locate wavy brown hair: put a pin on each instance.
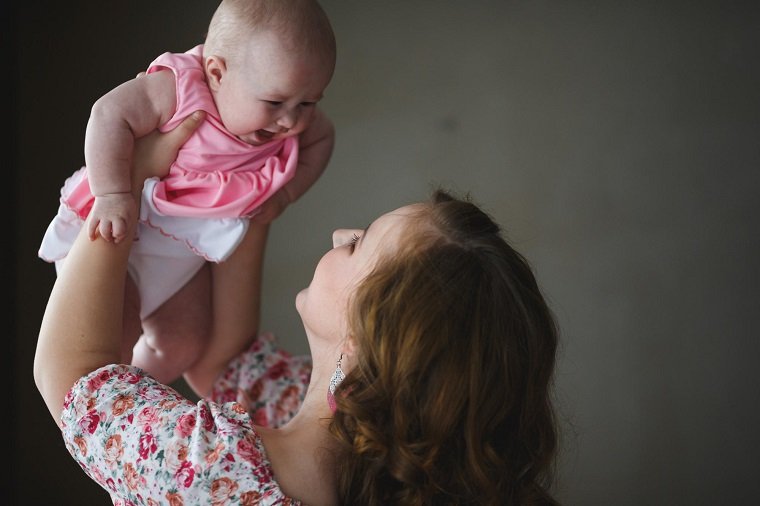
(450, 398)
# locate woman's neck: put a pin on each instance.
(302, 451)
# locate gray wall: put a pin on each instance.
(617, 143)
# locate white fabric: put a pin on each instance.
(159, 263)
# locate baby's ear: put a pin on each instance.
(215, 67)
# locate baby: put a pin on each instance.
(258, 76)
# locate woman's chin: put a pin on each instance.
(300, 296)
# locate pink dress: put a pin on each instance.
(146, 444)
(200, 211)
(215, 175)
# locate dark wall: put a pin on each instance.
(69, 54)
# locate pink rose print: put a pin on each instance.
(185, 474)
(254, 392)
(277, 370)
(168, 404)
(289, 402)
(222, 490)
(113, 451)
(98, 380)
(250, 498)
(208, 421)
(148, 416)
(246, 449)
(121, 404)
(213, 455)
(185, 425)
(226, 395)
(98, 476)
(260, 417)
(271, 383)
(175, 453)
(151, 395)
(147, 444)
(82, 445)
(90, 422)
(67, 400)
(132, 477)
(130, 377)
(263, 474)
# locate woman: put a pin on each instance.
(436, 327)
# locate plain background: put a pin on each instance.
(616, 142)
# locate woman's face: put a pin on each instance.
(323, 304)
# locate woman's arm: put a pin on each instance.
(237, 281)
(236, 301)
(82, 326)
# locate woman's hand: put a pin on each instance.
(154, 153)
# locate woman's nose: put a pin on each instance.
(343, 236)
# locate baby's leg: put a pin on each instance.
(236, 303)
(132, 327)
(175, 334)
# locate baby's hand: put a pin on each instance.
(272, 208)
(110, 215)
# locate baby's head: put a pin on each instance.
(268, 63)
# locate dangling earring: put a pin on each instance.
(337, 377)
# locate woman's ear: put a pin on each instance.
(348, 349)
(216, 67)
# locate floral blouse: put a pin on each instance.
(144, 443)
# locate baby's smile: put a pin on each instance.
(258, 137)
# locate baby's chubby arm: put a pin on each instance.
(315, 149)
(127, 112)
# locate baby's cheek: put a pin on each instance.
(305, 121)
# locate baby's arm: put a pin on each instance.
(315, 149)
(125, 113)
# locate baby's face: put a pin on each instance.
(271, 93)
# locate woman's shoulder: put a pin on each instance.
(135, 436)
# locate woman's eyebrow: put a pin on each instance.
(364, 232)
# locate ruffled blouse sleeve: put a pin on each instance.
(146, 444)
(270, 382)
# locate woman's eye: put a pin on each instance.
(352, 242)
(308, 104)
(273, 103)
